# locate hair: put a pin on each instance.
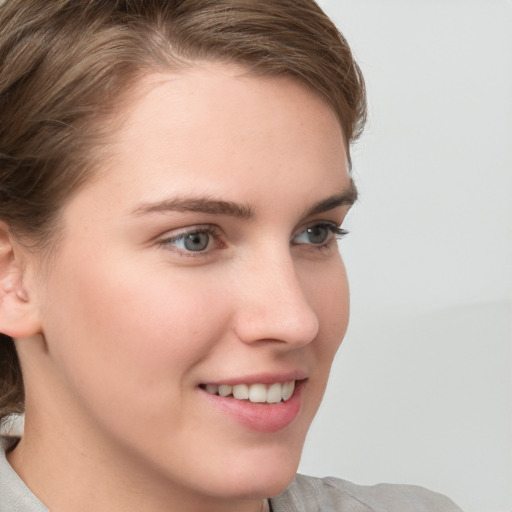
(65, 65)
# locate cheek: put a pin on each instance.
(122, 333)
(329, 297)
(328, 293)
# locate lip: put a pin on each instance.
(262, 378)
(259, 417)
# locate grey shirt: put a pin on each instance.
(305, 494)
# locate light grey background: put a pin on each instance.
(421, 389)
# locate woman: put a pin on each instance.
(174, 176)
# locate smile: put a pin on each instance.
(256, 393)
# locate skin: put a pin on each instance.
(130, 323)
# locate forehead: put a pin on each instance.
(222, 108)
(223, 92)
(215, 129)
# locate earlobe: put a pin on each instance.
(19, 316)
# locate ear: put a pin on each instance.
(19, 316)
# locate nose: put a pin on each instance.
(272, 304)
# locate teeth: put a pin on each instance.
(212, 388)
(241, 391)
(275, 393)
(225, 390)
(257, 393)
(288, 389)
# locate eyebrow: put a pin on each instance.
(346, 197)
(213, 206)
(200, 205)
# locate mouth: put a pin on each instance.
(256, 393)
(267, 406)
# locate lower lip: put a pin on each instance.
(260, 417)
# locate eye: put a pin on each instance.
(196, 240)
(319, 234)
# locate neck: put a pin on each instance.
(68, 475)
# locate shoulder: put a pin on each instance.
(15, 496)
(332, 494)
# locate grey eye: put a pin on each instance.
(194, 241)
(318, 234)
(314, 235)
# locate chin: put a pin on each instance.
(265, 472)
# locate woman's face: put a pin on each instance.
(201, 262)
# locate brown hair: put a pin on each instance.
(65, 64)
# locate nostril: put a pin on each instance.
(272, 305)
(277, 326)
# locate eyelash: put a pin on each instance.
(338, 232)
(198, 230)
(212, 231)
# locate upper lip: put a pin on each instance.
(261, 378)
